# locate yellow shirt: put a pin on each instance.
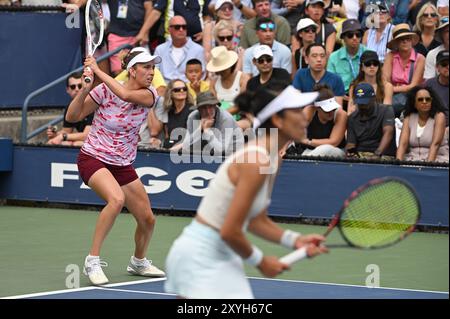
(157, 81)
(204, 87)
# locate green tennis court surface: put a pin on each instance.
(37, 245)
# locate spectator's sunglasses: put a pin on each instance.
(311, 29)
(371, 63)
(351, 35)
(74, 86)
(180, 89)
(179, 27)
(267, 59)
(382, 11)
(226, 8)
(430, 15)
(265, 26)
(223, 38)
(427, 99)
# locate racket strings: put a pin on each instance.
(380, 215)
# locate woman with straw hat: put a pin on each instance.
(403, 67)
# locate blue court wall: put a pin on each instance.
(36, 48)
(303, 189)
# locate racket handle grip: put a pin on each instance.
(294, 256)
(88, 79)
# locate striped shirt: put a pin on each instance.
(379, 47)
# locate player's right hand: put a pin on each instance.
(314, 250)
(270, 266)
(87, 72)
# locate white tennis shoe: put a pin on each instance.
(93, 269)
(144, 269)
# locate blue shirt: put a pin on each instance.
(304, 82)
(169, 69)
(282, 58)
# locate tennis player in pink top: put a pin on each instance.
(105, 160)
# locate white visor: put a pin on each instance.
(327, 105)
(290, 98)
(143, 57)
(139, 49)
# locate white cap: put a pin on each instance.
(308, 2)
(290, 98)
(327, 105)
(219, 3)
(143, 57)
(261, 50)
(304, 23)
(139, 49)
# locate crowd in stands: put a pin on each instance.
(380, 67)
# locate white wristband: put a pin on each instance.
(288, 238)
(255, 258)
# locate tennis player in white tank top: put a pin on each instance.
(206, 260)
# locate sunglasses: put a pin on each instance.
(382, 11)
(430, 15)
(371, 63)
(265, 26)
(309, 30)
(74, 86)
(226, 8)
(267, 59)
(351, 35)
(179, 27)
(181, 89)
(223, 38)
(424, 99)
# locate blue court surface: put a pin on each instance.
(263, 289)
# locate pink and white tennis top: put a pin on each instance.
(114, 134)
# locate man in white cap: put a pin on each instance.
(441, 34)
(263, 60)
(242, 9)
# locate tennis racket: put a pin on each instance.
(95, 25)
(376, 215)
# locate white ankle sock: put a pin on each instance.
(138, 261)
(89, 257)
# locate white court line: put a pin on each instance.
(347, 285)
(137, 291)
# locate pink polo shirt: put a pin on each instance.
(114, 134)
(400, 75)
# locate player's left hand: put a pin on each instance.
(304, 240)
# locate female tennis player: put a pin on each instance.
(105, 160)
(206, 261)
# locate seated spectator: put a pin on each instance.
(440, 83)
(306, 34)
(335, 11)
(210, 129)
(282, 57)
(442, 6)
(194, 74)
(243, 9)
(172, 113)
(423, 132)
(370, 129)
(326, 33)
(441, 36)
(403, 67)
(327, 123)
(345, 61)
(223, 35)
(263, 10)
(224, 12)
(305, 79)
(379, 32)
(176, 51)
(71, 134)
(291, 10)
(370, 71)
(427, 22)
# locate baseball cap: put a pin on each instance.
(308, 2)
(442, 56)
(261, 50)
(220, 3)
(369, 56)
(304, 23)
(350, 25)
(363, 93)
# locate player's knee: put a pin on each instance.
(117, 201)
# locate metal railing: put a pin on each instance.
(24, 137)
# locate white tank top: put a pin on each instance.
(214, 205)
(228, 95)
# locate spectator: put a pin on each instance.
(72, 134)
(223, 35)
(249, 36)
(291, 10)
(370, 71)
(379, 32)
(442, 6)
(345, 61)
(403, 67)
(171, 114)
(176, 51)
(282, 57)
(224, 12)
(440, 83)
(326, 33)
(370, 129)
(194, 74)
(306, 34)
(189, 10)
(422, 137)
(305, 79)
(335, 10)
(211, 129)
(427, 22)
(229, 82)
(327, 123)
(243, 9)
(441, 36)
